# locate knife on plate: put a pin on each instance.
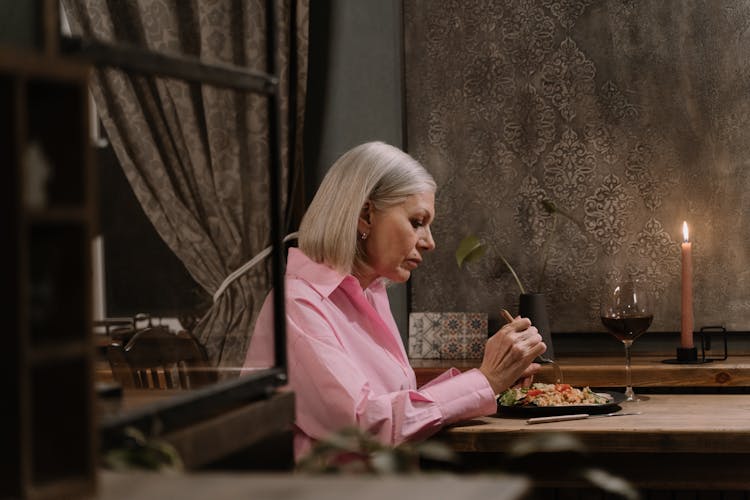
(578, 416)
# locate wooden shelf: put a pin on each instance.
(58, 215)
(47, 213)
(609, 371)
(60, 350)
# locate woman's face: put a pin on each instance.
(397, 237)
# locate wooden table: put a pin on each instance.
(609, 371)
(121, 486)
(679, 441)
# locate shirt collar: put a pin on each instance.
(322, 278)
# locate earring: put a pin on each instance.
(363, 236)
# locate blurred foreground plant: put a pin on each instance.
(550, 458)
(544, 459)
(140, 452)
(354, 450)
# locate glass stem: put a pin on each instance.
(629, 394)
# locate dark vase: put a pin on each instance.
(534, 307)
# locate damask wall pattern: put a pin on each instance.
(630, 116)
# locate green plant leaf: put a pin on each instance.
(142, 452)
(513, 272)
(551, 208)
(611, 484)
(470, 249)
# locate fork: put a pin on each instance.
(558, 371)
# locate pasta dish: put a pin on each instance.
(550, 395)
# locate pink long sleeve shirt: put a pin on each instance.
(348, 367)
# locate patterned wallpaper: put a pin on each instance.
(631, 116)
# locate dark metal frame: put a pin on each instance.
(137, 60)
(199, 404)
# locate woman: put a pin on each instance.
(369, 224)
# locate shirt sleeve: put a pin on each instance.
(333, 393)
(459, 394)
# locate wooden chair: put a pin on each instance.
(155, 358)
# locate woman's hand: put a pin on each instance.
(508, 354)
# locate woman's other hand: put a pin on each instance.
(508, 354)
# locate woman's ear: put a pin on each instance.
(364, 217)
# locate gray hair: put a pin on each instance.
(373, 171)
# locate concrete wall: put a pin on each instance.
(354, 90)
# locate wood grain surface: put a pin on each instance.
(698, 441)
(609, 371)
(674, 423)
(221, 486)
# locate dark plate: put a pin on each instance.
(548, 411)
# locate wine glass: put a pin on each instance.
(626, 313)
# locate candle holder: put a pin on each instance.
(689, 355)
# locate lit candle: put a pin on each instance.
(686, 336)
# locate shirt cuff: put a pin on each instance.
(466, 395)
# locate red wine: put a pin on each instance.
(627, 327)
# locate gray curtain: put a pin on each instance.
(197, 156)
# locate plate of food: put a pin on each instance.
(541, 400)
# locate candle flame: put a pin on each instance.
(685, 237)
